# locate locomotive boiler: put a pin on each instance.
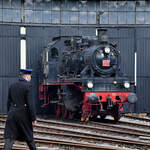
(80, 77)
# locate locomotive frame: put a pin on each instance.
(78, 88)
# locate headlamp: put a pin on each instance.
(90, 84)
(126, 84)
(107, 50)
(115, 82)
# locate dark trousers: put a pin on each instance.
(9, 143)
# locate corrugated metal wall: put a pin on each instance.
(9, 60)
(124, 38)
(38, 37)
(143, 69)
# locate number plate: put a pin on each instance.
(106, 63)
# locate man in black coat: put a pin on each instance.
(21, 113)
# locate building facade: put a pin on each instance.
(127, 21)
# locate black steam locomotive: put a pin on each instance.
(81, 77)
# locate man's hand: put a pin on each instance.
(34, 123)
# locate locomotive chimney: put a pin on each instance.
(102, 35)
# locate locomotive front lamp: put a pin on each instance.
(107, 50)
(90, 84)
(115, 82)
(126, 85)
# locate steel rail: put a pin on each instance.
(137, 118)
(102, 127)
(46, 142)
(15, 146)
(130, 127)
(88, 137)
(87, 127)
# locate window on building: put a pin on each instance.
(91, 17)
(113, 18)
(7, 15)
(140, 5)
(122, 16)
(28, 16)
(97, 5)
(16, 4)
(131, 5)
(122, 5)
(104, 5)
(113, 5)
(130, 17)
(82, 17)
(147, 18)
(147, 6)
(104, 18)
(55, 16)
(56, 5)
(47, 5)
(83, 5)
(65, 5)
(28, 4)
(91, 5)
(76, 11)
(0, 3)
(6, 4)
(140, 17)
(74, 17)
(16, 15)
(74, 6)
(38, 5)
(65, 17)
(0, 14)
(38, 16)
(46, 16)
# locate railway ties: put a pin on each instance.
(52, 133)
(136, 119)
(42, 142)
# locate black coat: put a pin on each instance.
(21, 112)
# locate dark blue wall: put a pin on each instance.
(143, 69)
(9, 60)
(128, 40)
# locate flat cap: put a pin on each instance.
(25, 71)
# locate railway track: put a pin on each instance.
(138, 119)
(46, 142)
(51, 132)
(84, 135)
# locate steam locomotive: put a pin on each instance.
(80, 77)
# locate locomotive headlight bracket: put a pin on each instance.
(107, 50)
(126, 84)
(90, 84)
